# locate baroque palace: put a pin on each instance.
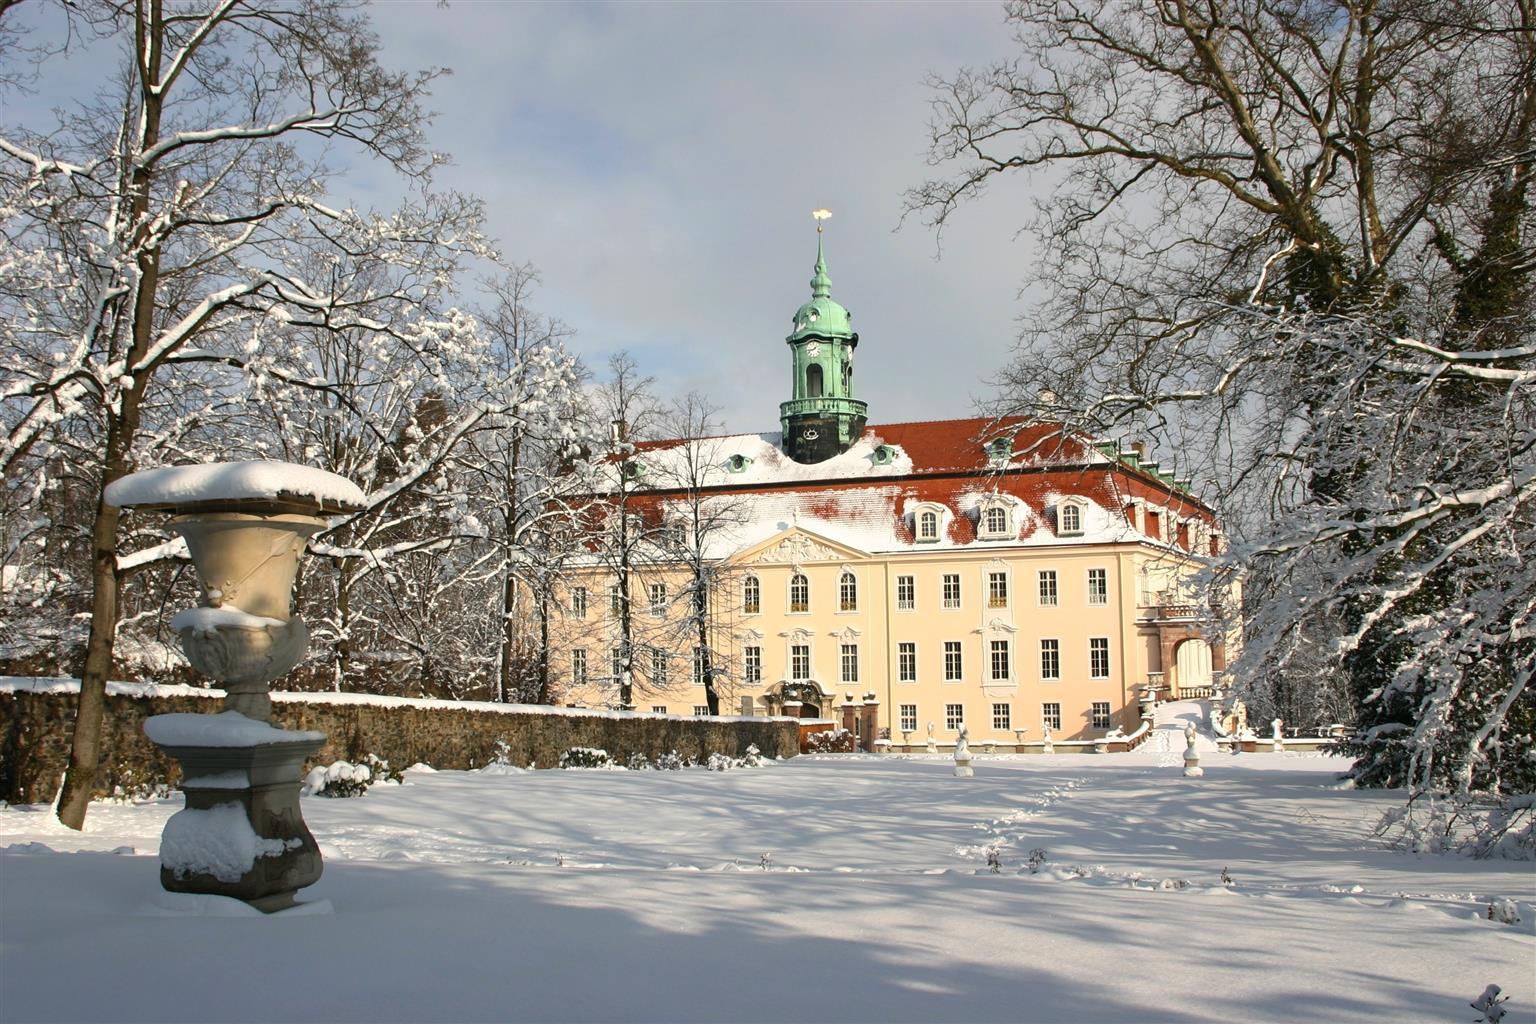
(904, 578)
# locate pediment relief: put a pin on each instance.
(798, 547)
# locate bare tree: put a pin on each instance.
(1292, 242)
(171, 224)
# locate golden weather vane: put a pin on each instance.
(820, 216)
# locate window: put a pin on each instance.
(1100, 714)
(1071, 519)
(906, 663)
(751, 595)
(847, 593)
(906, 593)
(1098, 657)
(578, 602)
(658, 709)
(909, 718)
(927, 525)
(995, 522)
(997, 590)
(579, 666)
(1002, 717)
(954, 716)
(1050, 716)
(952, 667)
(658, 667)
(658, 599)
(615, 600)
(616, 663)
(701, 710)
(799, 593)
(1000, 659)
(951, 590)
(1048, 588)
(850, 663)
(1098, 586)
(698, 666)
(752, 670)
(1050, 659)
(800, 661)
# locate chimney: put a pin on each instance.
(618, 431)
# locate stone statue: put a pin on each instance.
(963, 768)
(1277, 735)
(1046, 745)
(1192, 769)
(933, 748)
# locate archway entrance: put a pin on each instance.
(1192, 668)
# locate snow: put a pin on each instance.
(225, 729)
(228, 481)
(216, 841)
(833, 888)
(202, 619)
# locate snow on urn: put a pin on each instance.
(241, 833)
(1192, 769)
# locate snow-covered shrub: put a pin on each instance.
(1491, 1005)
(1504, 911)
(381, 770)
(720, 763)
(753, 757)
(671, 761)
(638, 762)
(1036, 860)
(340, 779)
(832, 741)
(586, 757)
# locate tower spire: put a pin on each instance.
(821, 284)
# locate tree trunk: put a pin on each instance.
(508, 638)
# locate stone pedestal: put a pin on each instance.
(260, 784)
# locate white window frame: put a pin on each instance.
(907, 602)
(701, 711)
(905, 650)
(847, 591)
(848, 658)
(1050, 660)
(657, 594)
(1002, 716)
(751, 596)
(698, 666)
(578, 602)
(752, 663)
(809, 662)
(952, 578)
(1098, 598)
(578, 666)
(1069, 519)
(985, 527)
(908, 717)
(658, 667)
(1100, 719)
(1098, 657)
(1048, 588)
(805, 608)
(924, 519)
(1000, 649)
(1050, 714)
(658, 709)
(954, 716)
(997, 579)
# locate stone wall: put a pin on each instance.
(35, 727)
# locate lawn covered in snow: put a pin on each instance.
(835, 888)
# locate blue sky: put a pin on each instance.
(659, 164)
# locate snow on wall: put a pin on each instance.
(225, 729)
(225, 481)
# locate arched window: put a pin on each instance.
(927, 525)
(1071, 519)
(847, 593)
(799, 593)
(751, 596)
(996, 522)
(813, 381)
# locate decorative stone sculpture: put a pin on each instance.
(1192, 769)
(963, 768)
(933, 748)
(1046, 745)
(241, 833)
(1277, 736)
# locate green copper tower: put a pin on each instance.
(822, 418)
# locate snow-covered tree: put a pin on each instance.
(161, 231)
(1293, 244)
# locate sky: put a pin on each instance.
(659, 164)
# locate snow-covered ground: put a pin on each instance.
(836, 888)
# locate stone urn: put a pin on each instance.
(241, 833)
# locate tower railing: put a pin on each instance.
(823, 406)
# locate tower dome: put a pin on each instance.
(822, 418)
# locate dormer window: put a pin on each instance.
(1069, 519)
(927, 526)
(999, 448)
(883, 454)
(737, 463)
(994, 523)
(633, 470)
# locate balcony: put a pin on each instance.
(823, 407)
